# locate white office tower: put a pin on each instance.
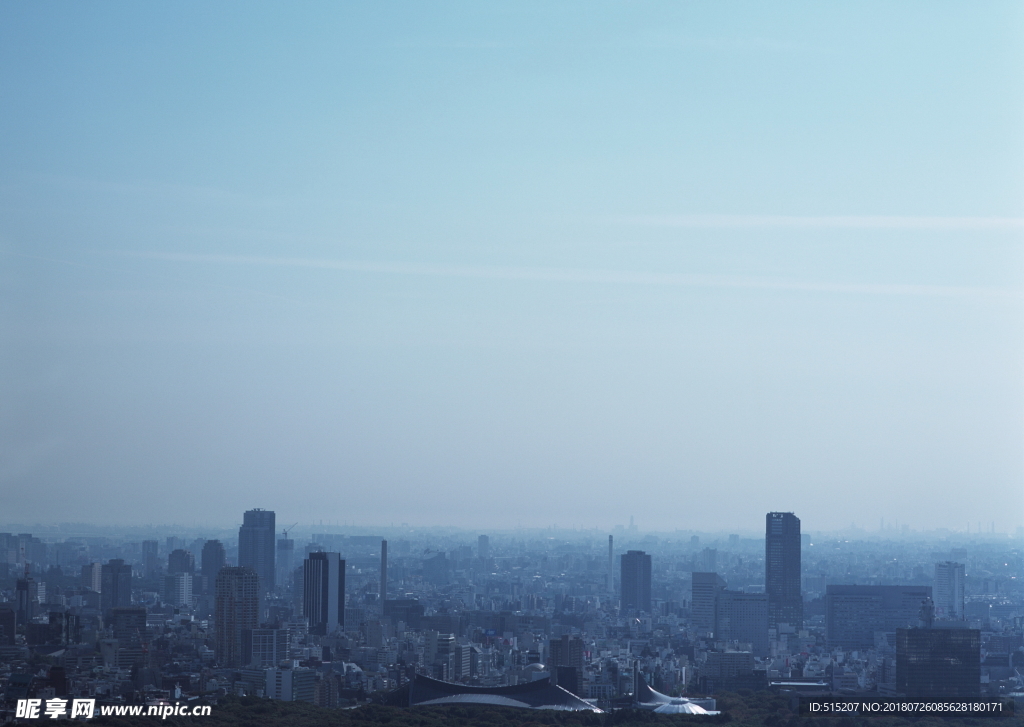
(949, 591)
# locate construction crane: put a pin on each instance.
(285, 530)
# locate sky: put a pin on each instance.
(513, 264)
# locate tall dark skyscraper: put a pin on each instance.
(256, 546)
(323, 592)
(939, 664)
(703, 597)
(236, 609)
(150, 559)
(116, 577)
(181, 561)
(383, 572)
(27, 593)
(635, 579)
(213, 559)
(782, 570)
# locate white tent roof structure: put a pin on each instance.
(647, 698)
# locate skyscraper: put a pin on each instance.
(853, 614)
(323, 598)
(938, 664)
(116, 587)
(236, 609)
(150, 560)
(92, 576)
(635, 577)
(611, 566)
(178, 589)
(742, 617)
(565, 662)
(213, 559)
(26, 598)
(285, 559)
(256, 546)
(949, 590)
(782, 570)
(483, 547)
(383, 572)
(704, 590)
(181, 561)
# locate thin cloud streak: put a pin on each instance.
(570, 275)
(857, 222)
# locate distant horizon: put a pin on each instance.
(620, 532)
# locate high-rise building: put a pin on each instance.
(462, 662)
(611, 566)
(265, 647)
(566, 651)
(635, 579)
(704, 590)
(285, 561)
(178, 589)
(116, 589)
(181, 561)
(323, 598)
(742, 617)
(150, 558)
(483, 547)
(129, 624)
(291, 685)
(383, 572)
(438, 653)
(256, 546)
(565, 662)
(8, 623)
(938, 664)
(236, 608)
(26, 598)
(92, 577)
(214, 559)
(854, 613)
(782, 570)
(949, 591)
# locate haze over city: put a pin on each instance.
(513, 265)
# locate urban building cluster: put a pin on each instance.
(340, 616)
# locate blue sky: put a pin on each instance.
(490, 264)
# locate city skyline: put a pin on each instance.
(580, 356)
(479, 616)
(879, 530)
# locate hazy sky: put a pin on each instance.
(494, 264)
